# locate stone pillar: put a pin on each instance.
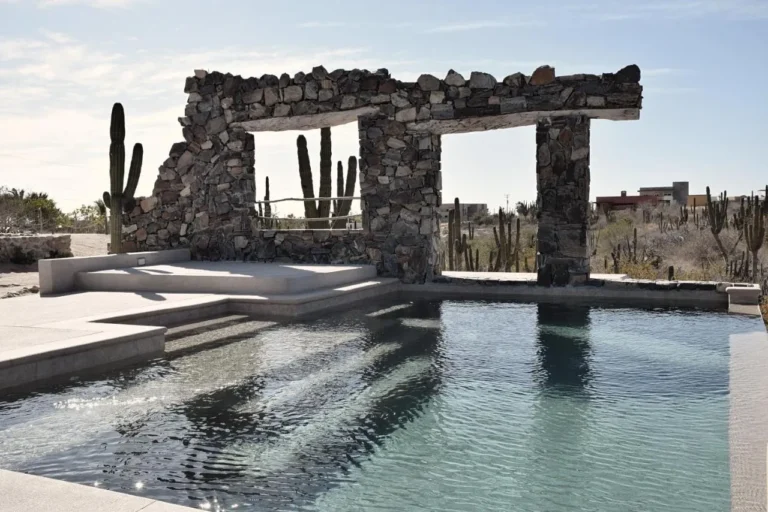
(400, 188)
(562, 180)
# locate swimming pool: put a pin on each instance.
(405, 406)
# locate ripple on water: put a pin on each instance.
(418, 406)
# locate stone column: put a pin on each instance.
(562, 180)
(400, 187)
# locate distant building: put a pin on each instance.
(647, 196)
(625, 202)
(469, 211)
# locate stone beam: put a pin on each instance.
(478, 124)
(313, 122)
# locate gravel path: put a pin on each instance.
(17, 280)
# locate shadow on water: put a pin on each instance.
(563, 347)
(318, 438)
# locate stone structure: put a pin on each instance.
(27, 249)
(203, 197)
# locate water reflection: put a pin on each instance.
(563, 346)
(283, 435)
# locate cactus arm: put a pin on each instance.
(134, 172)
(450, 240)
(107, 199)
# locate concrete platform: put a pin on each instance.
(44, 339)
(226, 277)
(27, 493)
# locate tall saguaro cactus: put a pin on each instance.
(754, 233)
(342, 207)
(320, 207)
(717, 210)
(117, 199)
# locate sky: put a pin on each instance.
(63, 63)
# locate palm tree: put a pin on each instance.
(103, 214)
(17, 193)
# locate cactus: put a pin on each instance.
(503, 239)
(119, 199)
(616, 255)
(307, 186)
(342, 207)
(267, 206)
(671, 273)
(321, 208)
(459, 242)
(326, 182)
(634, 246)
(754, 233)
(717, 212)
(451, 238)
(517, 246)
(471, 229)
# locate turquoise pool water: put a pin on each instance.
(405, 406)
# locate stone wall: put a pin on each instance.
(204, 192)
(311, 246)
(29, 249)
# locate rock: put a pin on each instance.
(348, 102)
(271, 96)
(141, 235)
(394, 143)
(216, 125)
(403, 171)
(442, 111)
(578, 154)
(542, 76)
(130, 229)
(436, 97)
(479, 80)
(513, 105)
(455, 79)
(629, 74)
(400, 101)
(406, 116)
(595, 101)
(325, 95)
(310, 91)
(319, 73)
(254, 96)
(200, 73)
(194, 97)
(148, 204)
(241, 242)
(281, 110)
(292, 94)
(428, 83)
(515, 80)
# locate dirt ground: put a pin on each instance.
(17, 280)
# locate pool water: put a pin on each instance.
(405, 406)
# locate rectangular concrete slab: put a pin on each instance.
(226, 277)
(20, 492)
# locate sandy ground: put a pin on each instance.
(17, 280)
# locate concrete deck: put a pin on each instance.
(27, 493)
(230, 277)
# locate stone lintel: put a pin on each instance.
(477, 124)
(308, 122)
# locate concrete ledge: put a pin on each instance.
(27, 493)
(58, 276)
(595, 292)
(227, 277)
(745, 295)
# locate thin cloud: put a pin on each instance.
(479, 25)
(321, 24)
(98, 4)
(682, 9)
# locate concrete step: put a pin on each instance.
(225, 277)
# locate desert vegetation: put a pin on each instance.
(716, 241)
